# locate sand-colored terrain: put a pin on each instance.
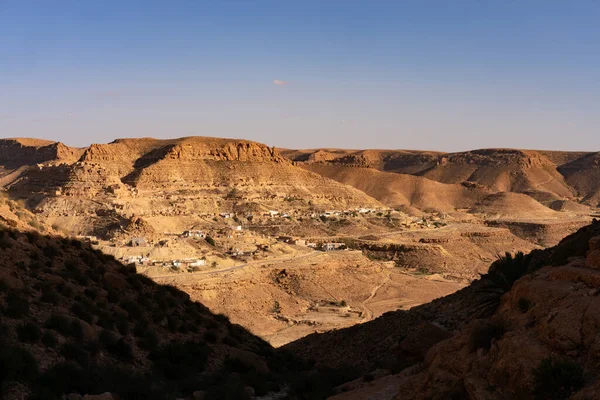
(418, 224)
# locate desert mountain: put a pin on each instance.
(174, 179)
(402, 190)
(544, 175)
(583, 174)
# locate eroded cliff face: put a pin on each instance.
(18, 152)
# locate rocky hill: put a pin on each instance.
(177, 179)
(583, 174)
(402, 190)
(544, 175)
(527, 329)
(18, 152)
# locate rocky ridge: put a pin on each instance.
(527, 330)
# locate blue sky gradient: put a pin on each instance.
(422, 74)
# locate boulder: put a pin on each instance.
(594, 243)
(251, 360)
(593, 259)
(417, 343)
(89, 332)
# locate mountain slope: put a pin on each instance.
(397, 190)
(179, 179)
(500, 170)
(74, 320)
(583, 174)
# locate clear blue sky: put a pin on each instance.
(441, 75)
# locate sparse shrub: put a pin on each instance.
(122, 350)
(51, 251)
(222, 318)
(91, 292)
(17, 364)
(507, 269)
(80, 311)
(276, 307)
(32, 236)
(368, 378)
(211, 336)
(234, 364)
(71, 264)
(29, 332)
(66, 290)
(482, 335)
(5, 242)
(133, 309)
(17, 306)
(524, 304)
(65, 325)
(557, 379)
(210, 241)
(35, 265)
(76, 352)
(230, 341)
(49, 339)
(105, 321)
(49, 295)
(122, 325)
(180, 360)
(116, 345)
(149, 341)
(107, 338)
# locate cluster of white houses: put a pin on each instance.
(326, 246)
(181, 263)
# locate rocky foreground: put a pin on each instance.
(542, 342)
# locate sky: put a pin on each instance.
(403, 74)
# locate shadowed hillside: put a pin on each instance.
(526, 329)
(74, 320)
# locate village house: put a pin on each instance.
(198, 263)
(194, 233)
(285, 239)
(333, 246)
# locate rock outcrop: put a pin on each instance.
(542, 342)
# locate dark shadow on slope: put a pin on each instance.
(74, 320)
(145, 161)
